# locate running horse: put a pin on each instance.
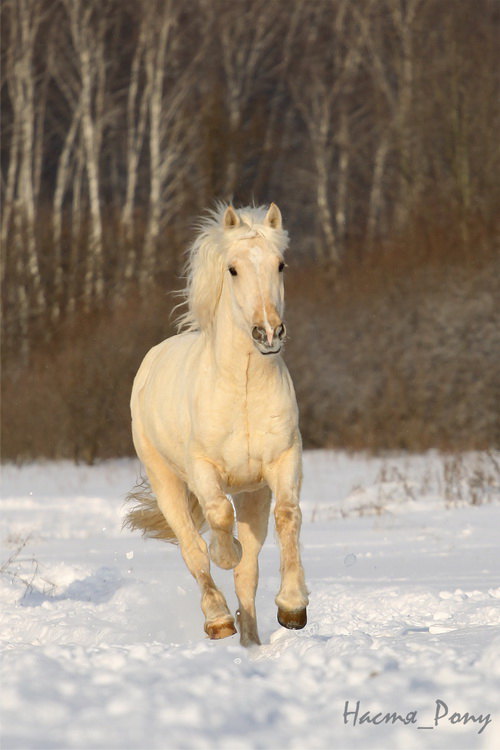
(215, 422)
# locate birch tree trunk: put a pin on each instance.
(409, 173)
(323, 98)
(323, 199)
(376, 197)
(137, 113)
(246, 35)
(87, 33)
(269, 156)
(23, 301)
(62, 181)
(8, 203)
(344, 149)
(160, 28)
(74, 282)
(94, 282)
(25, 17)
(393, 77)
(172, 145)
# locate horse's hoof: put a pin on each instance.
(220, 630)
(295, 620)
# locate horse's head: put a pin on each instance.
(255, 266)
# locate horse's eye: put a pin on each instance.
(233, 271)
(281, 266)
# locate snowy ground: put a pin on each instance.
(102, 637)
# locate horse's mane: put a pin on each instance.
(205, 265)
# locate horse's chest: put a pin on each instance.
(243, 430)
(251, 443)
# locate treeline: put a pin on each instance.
(122, 120)
(373, 124)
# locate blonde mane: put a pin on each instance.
(205, 266)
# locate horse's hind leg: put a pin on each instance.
(172, 497)
(252, 511)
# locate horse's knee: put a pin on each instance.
(225, 551)
(220, 514)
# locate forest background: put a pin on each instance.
(372, 124)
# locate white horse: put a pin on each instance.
(214, 414)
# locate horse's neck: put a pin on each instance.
(236, 357)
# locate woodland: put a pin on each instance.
(372, 124)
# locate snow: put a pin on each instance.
(102, 634)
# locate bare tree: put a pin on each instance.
(63, 176)
(169, 85)
(393, 75)
(246, 36)
(65, 75)
(124, 119)
(24, 19)
(321, 89)
(87, 23)
(280, 121)
(138, 96)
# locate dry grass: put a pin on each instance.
(72, 401)
(451, 480)
(398, 357)
(400, 350)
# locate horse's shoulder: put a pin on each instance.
(152, 357)
(178, 343)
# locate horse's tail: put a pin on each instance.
(146, 516)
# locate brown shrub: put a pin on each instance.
(398, 353)
(398, 350)
(72, 400)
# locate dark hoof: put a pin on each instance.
(220, 630)
(292, 620)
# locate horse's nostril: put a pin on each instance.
(281, 331)
(258, 333)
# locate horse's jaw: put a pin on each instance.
(267, 352)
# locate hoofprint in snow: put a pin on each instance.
(102, 634)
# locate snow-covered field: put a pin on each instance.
(102, 634)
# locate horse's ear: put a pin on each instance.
(273, 217)
(231, 219)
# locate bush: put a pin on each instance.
(399, 357)
(398, 350)
(72, 400)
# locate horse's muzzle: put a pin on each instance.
(261, 338)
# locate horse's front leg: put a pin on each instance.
(225, 550)
(285, 477)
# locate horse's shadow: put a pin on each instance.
(98, 588)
